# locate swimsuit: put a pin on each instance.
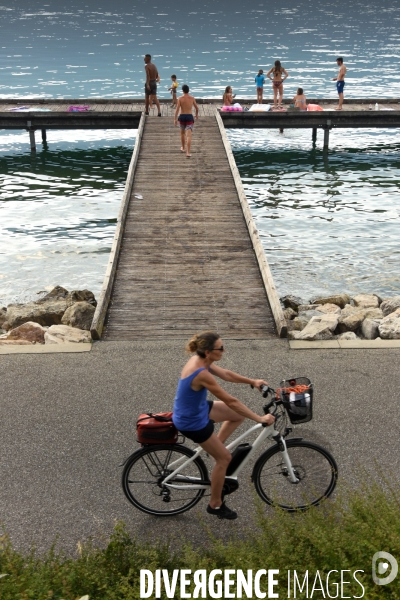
(186, 121)
(340, 86)
(259, 79)
(191, 410)
(152, 89)
(277, 83)
(174, 87)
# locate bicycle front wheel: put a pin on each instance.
(315, 469)
(144, 474)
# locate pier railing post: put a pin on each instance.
(327, 129)
(44, 136)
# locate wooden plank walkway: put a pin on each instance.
(186, 261)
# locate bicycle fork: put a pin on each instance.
(286, 458)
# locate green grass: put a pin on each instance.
(343, 534)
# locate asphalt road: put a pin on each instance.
(68, 420)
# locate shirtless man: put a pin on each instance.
(340, 81)
(186, 120)
(150, 88)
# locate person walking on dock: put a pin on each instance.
(185, 105)
(150, 88)
(340, 81)
(277, 74)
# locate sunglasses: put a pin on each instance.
(221, 348)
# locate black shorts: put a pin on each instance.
(201, 435)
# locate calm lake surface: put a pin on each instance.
(328, 222)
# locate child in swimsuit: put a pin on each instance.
(300, 101)
(259, 81)
(173, 90)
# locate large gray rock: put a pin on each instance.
(333, 309)
(305, 317)
(389, 305)
(3, 317)
(389, 327)
(31, 332)
(61, 334)
(81, 296)
(370, 329)
(56, 293)
(347, 335)
(319, 328)
(291, 302)
(79, 315)
(289, 313)
(339, 299)
(352, 321)
(366, 301)
(45, 312)
(303, 307)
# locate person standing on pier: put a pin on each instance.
(150, 88)
(277, 74)
(185, 105)
(259, 81)
(340, 81)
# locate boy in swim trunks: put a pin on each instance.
(150, 87)
(340, 81)
(185, 105)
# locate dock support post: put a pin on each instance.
(326, 138)
(314, 135)
(44, 136)
(31, 136)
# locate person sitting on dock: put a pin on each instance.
(300, 101)
(186, 121)
(279, 74)
(150, 88)
(228, 96)
(340, 81)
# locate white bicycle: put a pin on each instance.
(294, 474)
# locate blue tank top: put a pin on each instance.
(190, 411)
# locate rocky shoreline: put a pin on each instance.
(365, 316)
(57, 318)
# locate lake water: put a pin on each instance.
(328, 222)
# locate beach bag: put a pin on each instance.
(156, 428)
(296, 395)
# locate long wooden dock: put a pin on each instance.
(186, 261)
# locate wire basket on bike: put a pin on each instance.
(296, 395)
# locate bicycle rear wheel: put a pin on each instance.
(145, 471)
(315, 468)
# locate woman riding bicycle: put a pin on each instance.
(194, 415)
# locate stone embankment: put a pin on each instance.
(366, 316)
(57, 318)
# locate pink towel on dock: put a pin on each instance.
(314, 107)
(232, 108)
(78, 108)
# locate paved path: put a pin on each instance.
(67, 421)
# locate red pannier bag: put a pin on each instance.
(156, 428)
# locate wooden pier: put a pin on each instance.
(186, 259)
(186, 254)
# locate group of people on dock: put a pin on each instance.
(278, 74)
(186, 103)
